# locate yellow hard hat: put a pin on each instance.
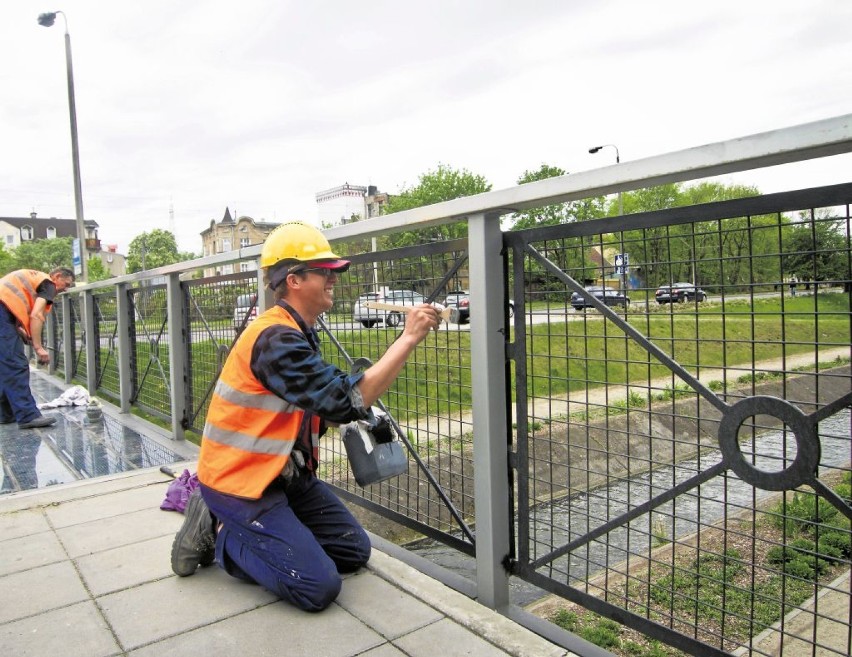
(297, 242)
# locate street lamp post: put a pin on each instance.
(47, 20)
(594, 150)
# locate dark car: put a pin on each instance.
(461, 299)
(679, 293)
(607, 295)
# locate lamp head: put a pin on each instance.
(595, 149)
(47, 19)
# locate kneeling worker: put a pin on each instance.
(262, 513)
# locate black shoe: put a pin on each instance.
(195, 542)
(5, 421)
(38, 423)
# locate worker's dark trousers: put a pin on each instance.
(293, 541)
(16, 400)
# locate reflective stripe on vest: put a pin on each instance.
(250, 432)
(18, 293)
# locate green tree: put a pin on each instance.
(44, 255)
(7, 261)
(97, 270)
(153, 249)
(442, 184)
(558, 213)
(818, 248)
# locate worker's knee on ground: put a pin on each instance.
(314, 597)
(359, 556)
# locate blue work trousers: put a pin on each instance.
(16, 399)
(294, 541)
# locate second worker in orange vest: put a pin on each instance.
(26, 296)
(260, 511)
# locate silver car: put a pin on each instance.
(370, 317)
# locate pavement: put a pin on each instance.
(85, 571)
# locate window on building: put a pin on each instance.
(244, 242)
(248, 265)
(51, 232)
(10, 239)
(226, 244)
(26, 233)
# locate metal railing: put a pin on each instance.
(625, 458)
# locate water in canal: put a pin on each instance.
(558, 523)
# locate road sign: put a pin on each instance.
(75, 257)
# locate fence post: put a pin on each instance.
(69, 337)
(177, 353)
(125, 345)
(265, 296)
(87, 312)
(490, 440)
(51, 342)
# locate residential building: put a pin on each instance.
(14, 231)
(230, 235)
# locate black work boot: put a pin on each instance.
(195, 542)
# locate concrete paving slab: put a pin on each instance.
(113, 532)
(86, 488)
(106, 506)
(274, 630)
(38, 590)
(820, 628)
(75, 631)
(498, 630)
(92, 560)
(385, 608)
(126, 566)
(31, 551)
(446, 637)
(16, 525)
(387, 650)
(164, 608)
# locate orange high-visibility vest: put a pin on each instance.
(18, 293)
(250, 432)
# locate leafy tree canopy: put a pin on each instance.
(156, 248)
(817, 248)
(96, 270)
(7, 261)
(44, 255)
(559, 213)
(442, 184)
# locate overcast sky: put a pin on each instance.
(259, 104)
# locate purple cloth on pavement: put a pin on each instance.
(179, 491)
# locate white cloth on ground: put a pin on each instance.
(74, 396)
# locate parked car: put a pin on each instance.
(245, 306)
(679, 293)
(461, 299)
(607, 295)
(369, 317)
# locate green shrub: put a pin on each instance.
(778, 554)
(828, 552)
(565, 619)
(837, 540)
(799, 568)
(844, 490)
(803, 511)
(604, 633)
